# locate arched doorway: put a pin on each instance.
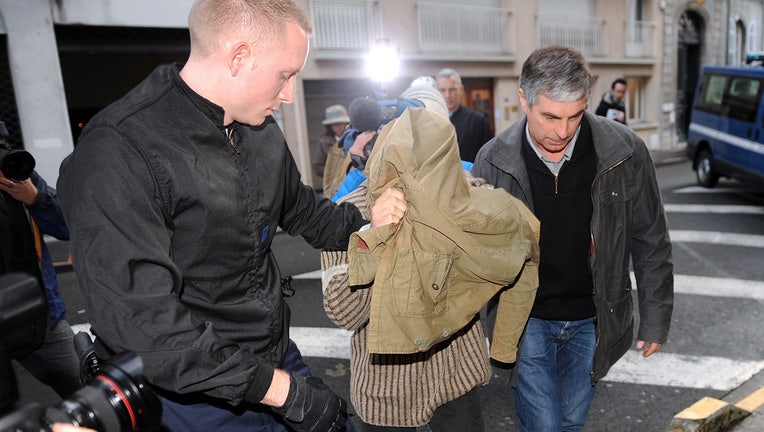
(740, 43)
(691, 28)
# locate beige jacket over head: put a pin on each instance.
(456, 247)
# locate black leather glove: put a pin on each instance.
(312, 407)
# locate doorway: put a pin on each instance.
(691, 28)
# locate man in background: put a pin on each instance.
(472, 127)
(612, 105)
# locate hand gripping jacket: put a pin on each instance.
(456, 247)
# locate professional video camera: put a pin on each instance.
(114, 399)
(369, 114)
(16, 164)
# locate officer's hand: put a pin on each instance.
(312, 407)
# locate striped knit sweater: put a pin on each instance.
(400, 390)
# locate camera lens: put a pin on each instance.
(16, 165)
(116, 400)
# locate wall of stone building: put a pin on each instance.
(38, 62)
(751, 14)
(719, 17)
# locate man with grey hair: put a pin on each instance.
(174, 195)
(472, 127)
(591, 182)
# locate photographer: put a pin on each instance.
(30, 208)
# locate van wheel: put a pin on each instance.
(707, 176)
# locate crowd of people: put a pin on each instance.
(445, 234)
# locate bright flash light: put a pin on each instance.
(383, 62)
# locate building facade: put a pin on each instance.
(60, 61)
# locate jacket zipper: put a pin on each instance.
(556, 183)
(235, 148)
(594, 271)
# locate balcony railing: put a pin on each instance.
(341, 24)
(586, 34)
(351, 25)
(465, 29)
(640, 39)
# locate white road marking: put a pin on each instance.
(316, 274)
(664, 369)
(716, 237)
(322, 342)
(677, 370)
(713, 209)
(716, 190)
(716, 287)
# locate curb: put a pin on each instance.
(735, 411)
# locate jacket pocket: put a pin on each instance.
(616, 192)
(419, 283)
(619, 312)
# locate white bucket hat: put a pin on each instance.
(336, 114)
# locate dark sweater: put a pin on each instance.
(472, 131)
(565, 209)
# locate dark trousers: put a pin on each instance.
(460, 415)
(204, 417)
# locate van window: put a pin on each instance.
(730, 96)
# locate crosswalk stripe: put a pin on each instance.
(316, 274)
(322, 342)
(716, 287)
(714, 209)
(665, 369)
(680, 370)
(716, 237)
(717, 190)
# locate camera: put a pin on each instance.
(368, 114)
(114, 397)
(16, 164)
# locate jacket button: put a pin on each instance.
(435, 287)
(615, 194)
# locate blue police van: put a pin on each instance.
(726, 134)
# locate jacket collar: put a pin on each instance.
(212, 111)
(610, 144)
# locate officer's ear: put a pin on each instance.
(238, 56)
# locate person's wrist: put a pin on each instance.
(291, 396)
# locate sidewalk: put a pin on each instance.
(741, 410)
(753, 393)
(664, 157)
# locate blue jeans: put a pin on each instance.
(554, 388)
(203, 417)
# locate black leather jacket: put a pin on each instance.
(171, 229)
(628, 222)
